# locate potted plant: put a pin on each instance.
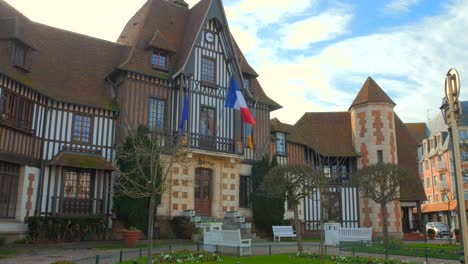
(456, 231)
(131, 236)
(431, 234)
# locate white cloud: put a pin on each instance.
(325, 26)
(399, 6)
(409, 63)
(269, 11)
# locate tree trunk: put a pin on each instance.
(322, 233)
(150, 228)
(297, 223)
(383, 206)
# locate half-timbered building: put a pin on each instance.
(342, 142)
(176, 49)
(57, 122)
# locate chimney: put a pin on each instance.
(179, 3)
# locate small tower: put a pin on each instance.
(373, 125)
(374, 138)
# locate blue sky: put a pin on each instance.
(314, 55)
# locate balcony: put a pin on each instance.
(213, 143)
(440, 166)
(442, 186)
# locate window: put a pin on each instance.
(244, 191)
(9, 177)
(420, 153)
(82, 128)
(156, 114)
(429, 199)
(428, 182)
(466, 195)
(280, 144)
(420, 167)
(77, 183)
(208, 70)
(159, 60)
(426, 164)
(422, 181)
(442, 178)
(465, 177)
(248, 85)
(379, 156)
(464, 155)
(436, 198)
(463, 134)
(19, 56)
(207, 121)
(445, 197)
(16, 111)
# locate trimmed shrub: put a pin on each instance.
(182, 227)
(59, 229)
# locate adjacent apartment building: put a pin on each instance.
(67, 100)
(436, 167)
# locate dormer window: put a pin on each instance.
(20, 55)
(159, 60)
(248, 85)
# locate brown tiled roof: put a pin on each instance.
(159, 41)
(292, 133)
(371, 92)
(328, 133)
(66, 66)
(418, 130)
(412, 189)
(80, 160)
(245, 66)
(261, 96)
(178, 25)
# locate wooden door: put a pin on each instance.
(203, 192)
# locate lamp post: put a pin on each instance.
(451, 111)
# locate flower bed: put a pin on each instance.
(186, 257)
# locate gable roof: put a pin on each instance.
(418, 130)
(407, 146)
(66, 66)
(328, 133)
(371, 93)
(166, 26)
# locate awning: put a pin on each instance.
(81, 160)
(440, 207)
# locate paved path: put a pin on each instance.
(86, 252)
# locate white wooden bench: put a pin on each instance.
(282, 231)
(355, 234)
(226, 238)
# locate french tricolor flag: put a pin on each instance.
(235, 99)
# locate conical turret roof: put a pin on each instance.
(371, 93)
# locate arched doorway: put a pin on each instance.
(203, 192)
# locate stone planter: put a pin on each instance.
(131, 237)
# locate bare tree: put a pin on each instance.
(293, 183)
(145, 162)
(381, 183)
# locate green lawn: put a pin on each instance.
(417, 250)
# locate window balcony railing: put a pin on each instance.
(78, 206)
(440, 166)
(442, 186)
(213, 143)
